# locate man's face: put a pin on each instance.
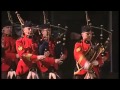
(87, 35)
(45, 32)
(7, 30)
(27, 31)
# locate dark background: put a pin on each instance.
(74, 20)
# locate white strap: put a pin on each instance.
(52, 75)
(11, 74)
(90, 75)
(32, 75)
(29, 75)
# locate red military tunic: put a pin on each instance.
(79, 50)
(9, 52)
(28, 52)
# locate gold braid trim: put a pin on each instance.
(88, 50)
(27, 56)
(78, 62)
(20, 48)
(81, 58)
(78, 49)
(75, 73)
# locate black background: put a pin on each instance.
(74, 20)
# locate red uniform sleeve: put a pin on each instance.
(11, 56)
(50, 60)
(78, 55)
(6, 44)
(9, 47)
(22, 53)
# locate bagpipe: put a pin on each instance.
(99, 46)
(57, 37)
(17, 26)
